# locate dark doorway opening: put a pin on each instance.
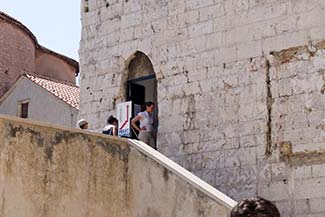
(142, 90)
(142, 86)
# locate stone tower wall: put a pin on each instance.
(239, 83)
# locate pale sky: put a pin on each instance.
(56, 24)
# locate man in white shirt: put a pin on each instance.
(146, 124)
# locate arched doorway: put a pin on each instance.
(141, 84)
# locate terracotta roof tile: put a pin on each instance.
(68, 93)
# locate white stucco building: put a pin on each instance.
(42, 99)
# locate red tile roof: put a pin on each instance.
(67, 93)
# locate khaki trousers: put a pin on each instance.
(147, 137)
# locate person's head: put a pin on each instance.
(255, 207)
(82, 124)
(149, 106)
(112, 120)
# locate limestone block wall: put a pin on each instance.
(220, 92)
(203, 34)
(49, 172)
(292, 173)
(215, 131)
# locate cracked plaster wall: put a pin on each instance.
(219, 97)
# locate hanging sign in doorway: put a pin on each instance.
(124, 111)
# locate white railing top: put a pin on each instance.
(183, 173)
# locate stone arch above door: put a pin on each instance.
(139, 65)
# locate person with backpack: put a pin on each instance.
(111, 127)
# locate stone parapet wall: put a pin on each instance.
(49, 172)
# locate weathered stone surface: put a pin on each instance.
(236, 79)
(50, 172)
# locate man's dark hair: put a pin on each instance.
(149, 103)
(146, 104)
(111, 119)
(255, 207)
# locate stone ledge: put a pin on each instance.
(184, 174)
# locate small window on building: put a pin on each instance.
(23, 109)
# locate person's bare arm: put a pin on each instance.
(134, 120)
(114, 131)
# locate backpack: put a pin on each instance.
(108, 131)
